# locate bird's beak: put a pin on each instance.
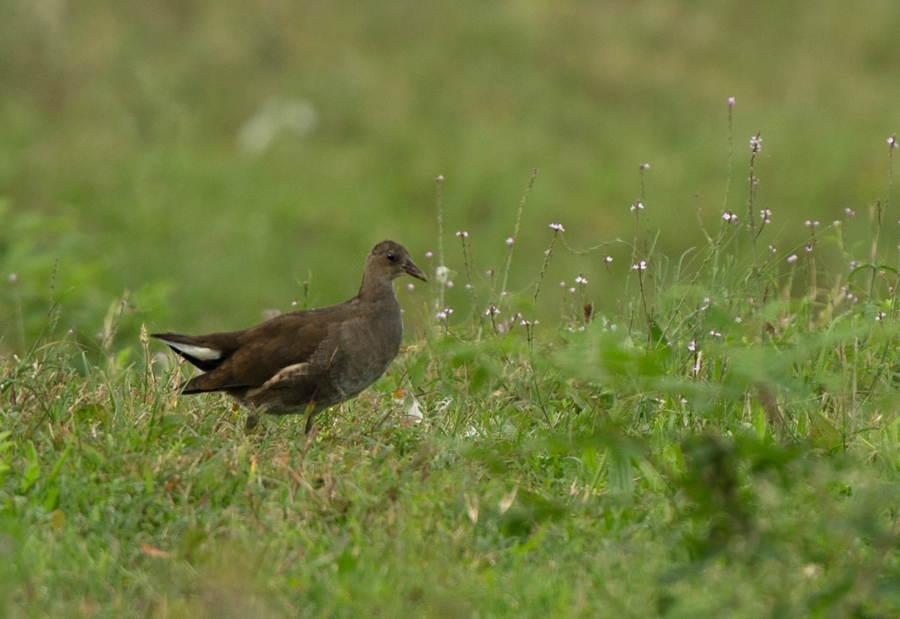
(412, 269)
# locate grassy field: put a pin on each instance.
(723, 446)
(684, 409)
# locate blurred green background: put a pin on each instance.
(206, 157)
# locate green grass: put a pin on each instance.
(724, 445)
(717, 436)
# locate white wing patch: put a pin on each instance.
(197, 352)
(288, 374)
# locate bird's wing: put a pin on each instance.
(261, 353)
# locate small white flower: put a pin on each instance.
(428, 254)
(715, 333)
(892, 142)
(572, 290)
(607, 259)
(410, 286)
(294, 304)
(637, 206)
(557, 227)
(755, 144)
(444, 313)
(880, 316)
(692, 346)
(765, 214)
(562, 284)
(449, 284)
(644, 166)
(462, 234)
(491, 310)
(13, 278)
(738, 319)
(510, 241)
(850, 212)
(442, 274)
(730, 101)
(580, 280)
(640, 266)
(468, 286)
(792, 259)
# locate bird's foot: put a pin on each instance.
(251, 425)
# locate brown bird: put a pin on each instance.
(306, 361)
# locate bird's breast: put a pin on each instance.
(369, 347)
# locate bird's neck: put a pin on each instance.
(376, 289)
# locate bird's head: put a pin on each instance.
(391, 260)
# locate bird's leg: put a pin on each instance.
(310, 414)
(252, 422)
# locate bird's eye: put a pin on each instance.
(392, 256)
